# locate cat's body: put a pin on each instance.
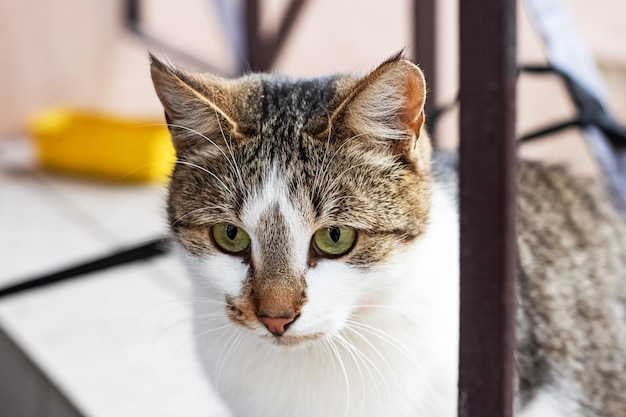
(571, 321)
(323, 249)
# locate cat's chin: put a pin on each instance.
(291, 341)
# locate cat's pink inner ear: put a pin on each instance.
(388, 103)
(414, 97)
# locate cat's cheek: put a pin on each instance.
(221, 272)
(333, 289)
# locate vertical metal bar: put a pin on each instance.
(254, 40)
(487, 205)
(132, 14)
(424, 46)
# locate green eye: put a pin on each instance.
(229, 238)
(334, 241)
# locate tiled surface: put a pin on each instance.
(118, 343)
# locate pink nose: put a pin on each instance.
(277, 325)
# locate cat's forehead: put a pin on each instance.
(282, 93)
(287, 105)
(287, 112)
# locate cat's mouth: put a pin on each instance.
(286, 339)
(275, 330)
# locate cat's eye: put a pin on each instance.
(334, 241)
(230, 238)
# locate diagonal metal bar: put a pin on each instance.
(254, 40)
(264, 49)
(132, 14)
(141, 252)
(132, 22)
(289, 19)
(569, 56)
(487, 207)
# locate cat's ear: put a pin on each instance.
(388, 104)
(195, 105)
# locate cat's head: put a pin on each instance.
(291, 197)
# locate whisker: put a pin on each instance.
(383, 359)
(317, 174)
(234, 166)
(345, 142)
(205, 137)
(137, 168)
(209, 316)
(231, 161)
(348, 348)
(232, 342)
(367, 362)
(338, 177)
(208, 300)
(212, 206)
(385, 307)
(381, 334)
(208, 172)
(333, 347)
(214, 329)
(392, 342)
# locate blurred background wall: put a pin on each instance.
(78, 53)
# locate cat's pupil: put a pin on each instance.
(231, 231)
(334, 234)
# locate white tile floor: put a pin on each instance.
(117, 343)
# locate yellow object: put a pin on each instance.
(102, 146)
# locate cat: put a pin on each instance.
(321, 237)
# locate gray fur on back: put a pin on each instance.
(571, 325)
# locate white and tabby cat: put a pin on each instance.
(323, 246)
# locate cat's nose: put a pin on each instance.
(277, 325)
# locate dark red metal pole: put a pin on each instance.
(487, 205)
(424, 46)
(254, 39)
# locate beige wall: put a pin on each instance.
(52, 51)
(76, 52)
